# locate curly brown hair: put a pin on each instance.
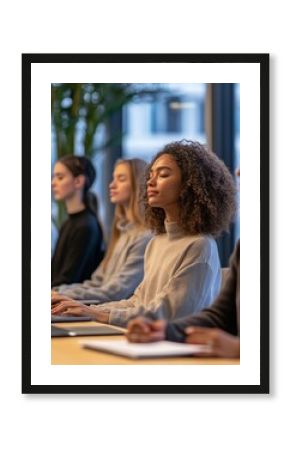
(207, 199)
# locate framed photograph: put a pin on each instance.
(131, 106)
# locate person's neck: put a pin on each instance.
(74, 205)
(171, 214)
(128, 214)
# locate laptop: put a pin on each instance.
(101, 330)
(56, 319)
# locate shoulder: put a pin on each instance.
(87, 219)
(139, 234)
(203, 247)
(156, 239)
(203, 241)
(88, 222)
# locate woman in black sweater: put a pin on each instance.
(79, 248)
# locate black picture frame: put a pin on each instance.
(260, 59)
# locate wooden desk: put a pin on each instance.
(67, 350)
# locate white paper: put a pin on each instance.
(152, 350)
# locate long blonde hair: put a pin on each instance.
(136, 206)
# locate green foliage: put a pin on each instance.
(90, 106)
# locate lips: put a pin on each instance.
(151, 193)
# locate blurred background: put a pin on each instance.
(110, 121)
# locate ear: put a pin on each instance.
(80, 181)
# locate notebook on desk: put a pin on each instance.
(160, 349)
(55, 319)
(101, 330)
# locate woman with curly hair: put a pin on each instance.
(217, 327)
(189, 199)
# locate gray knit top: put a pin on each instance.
(123, 273)
(181, 276)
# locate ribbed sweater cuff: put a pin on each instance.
(117, 318)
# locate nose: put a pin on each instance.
(151, 181)
(112, 184)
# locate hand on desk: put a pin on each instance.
(145, 330)
(70, 307)
(56, 297)
(220, 343)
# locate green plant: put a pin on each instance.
(79, 110)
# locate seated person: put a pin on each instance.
(190, 198)
(217, 326)
(121, 270)
(79, 248)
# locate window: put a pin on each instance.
(174, 112)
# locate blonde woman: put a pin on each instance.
(121, 270)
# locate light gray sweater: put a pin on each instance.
(182, 276)
(123, 273)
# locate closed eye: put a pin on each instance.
(164, 175)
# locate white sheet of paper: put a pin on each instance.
(152, 350)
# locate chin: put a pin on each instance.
(154, 204)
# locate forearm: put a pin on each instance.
(209, 317)
(121, 316)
